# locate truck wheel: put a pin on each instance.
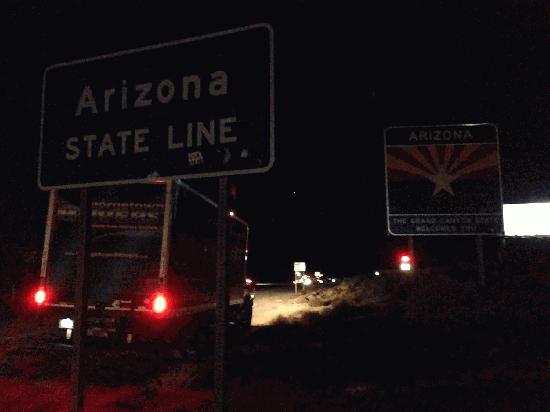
(246, 314)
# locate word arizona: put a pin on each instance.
(146, 94)
(440, 134)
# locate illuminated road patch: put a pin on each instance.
(274, 302)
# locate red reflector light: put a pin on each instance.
(40, 296)
(159, 304)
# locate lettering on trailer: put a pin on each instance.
(123, 215)
(191, 108)
(443, 180)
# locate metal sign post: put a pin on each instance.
(299, 270)
(48, 236)
(480, 260)
(410, 246)
(166, 232)
(221, 299)
(81, 304)
(501, 247)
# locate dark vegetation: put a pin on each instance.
(430, 343)
(424, 342)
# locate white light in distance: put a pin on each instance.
(527, 219)
(66, 323)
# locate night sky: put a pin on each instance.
(342, 74)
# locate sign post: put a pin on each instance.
(81, 303)
(221, 299)
(410, 245)
(299, 269)
(191, 108)
(48, 236)
(480, 260)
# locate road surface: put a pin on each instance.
(274, 301)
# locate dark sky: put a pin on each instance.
(342, 73)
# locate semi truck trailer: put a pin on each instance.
(152, 265)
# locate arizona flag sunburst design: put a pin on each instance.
(442, 164)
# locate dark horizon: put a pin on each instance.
(342, 74)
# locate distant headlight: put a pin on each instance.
(405, 267)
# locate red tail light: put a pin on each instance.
(40, 296)
(160, 304)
